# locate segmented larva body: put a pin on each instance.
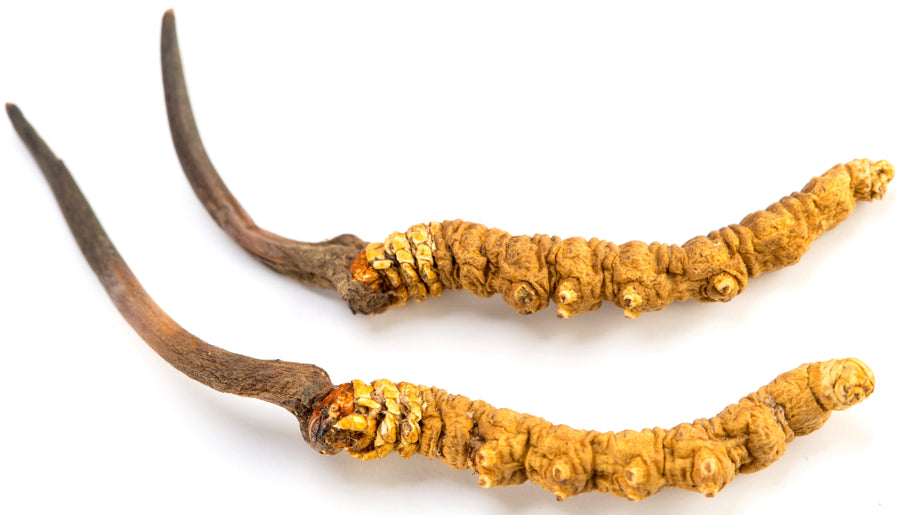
(579, 274)
(507, 448)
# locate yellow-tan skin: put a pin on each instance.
(579, 274)
(507, 448)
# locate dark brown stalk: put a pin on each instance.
(294, 386)
(529, 271)
(325, 264)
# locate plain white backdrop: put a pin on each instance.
(652, 121)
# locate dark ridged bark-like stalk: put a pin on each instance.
(324, 265)
(528, 271)
(294, 386)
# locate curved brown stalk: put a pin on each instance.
(502, 446)
(294, 386)
(325, 264)
(529, 271)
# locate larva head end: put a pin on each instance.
(325, 414)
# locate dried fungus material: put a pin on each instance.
(293, 386)
(579, 274)
(527, 271)
(507, 448)
(502, 446)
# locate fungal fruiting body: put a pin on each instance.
(528, 271)
(507, 448)
(579, 274)
(502, 446)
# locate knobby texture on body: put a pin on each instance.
(507, 448)
(528, 271)
(502, 446)
(578, 274)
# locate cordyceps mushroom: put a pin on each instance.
(501, 446)
(527, 271)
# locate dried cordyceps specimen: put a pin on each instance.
(577, 274)
(507, 448)
(528, 271)
(502, 446)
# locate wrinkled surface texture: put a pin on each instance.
(578, 274)
(507, 448)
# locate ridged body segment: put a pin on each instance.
(579, 274)
(506, 448)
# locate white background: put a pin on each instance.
(651, 121)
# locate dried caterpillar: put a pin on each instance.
(503, 447)
(579, 274)
(528, 271)
(507, 448)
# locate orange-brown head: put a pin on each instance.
(334, 406)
